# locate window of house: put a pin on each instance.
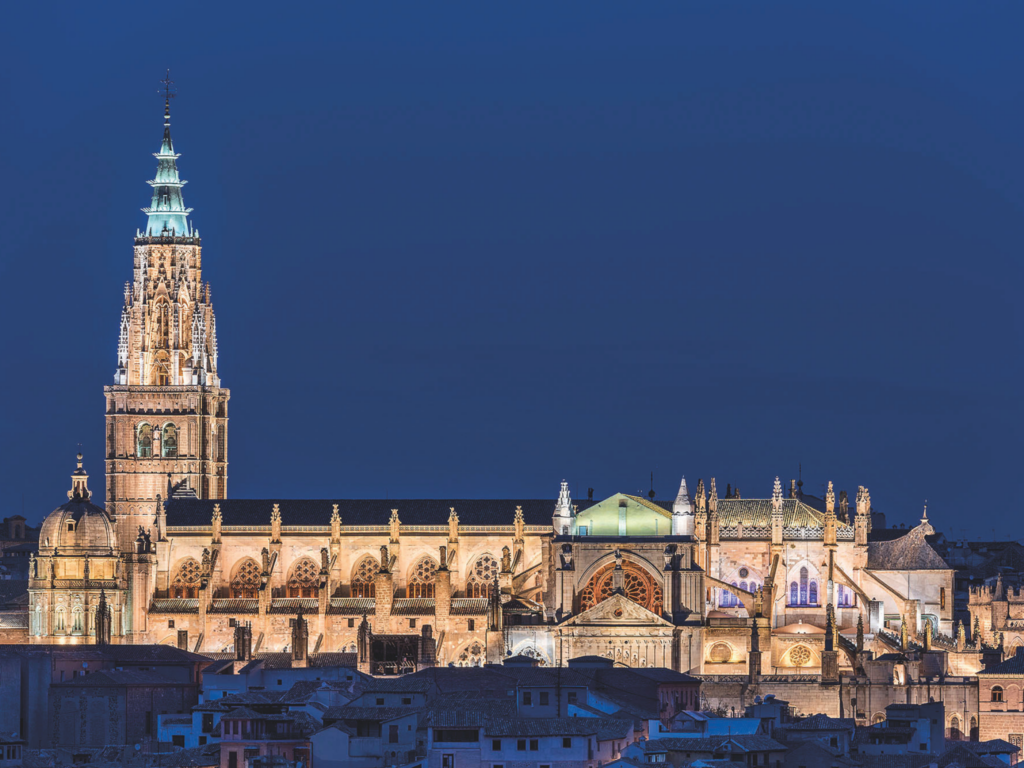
(566, 742)
(472, 625)
(447, 761)
(534, 745)
(231, 622)
(997, 693)
(233, 759)
(392, 734)
(178, 740)
(527, 699)
(351, 623)
(572, 697)
(412, 623)
(521, 745)
(202, 740)
(207, 725)
(407, 700)
(543, 698)
(380, 701)
(149, 723)
(170, 623)
(496, 745)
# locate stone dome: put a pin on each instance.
(78, 526)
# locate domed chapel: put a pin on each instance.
(701, 583)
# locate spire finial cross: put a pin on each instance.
(169, 91)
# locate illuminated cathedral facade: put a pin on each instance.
(699, 583)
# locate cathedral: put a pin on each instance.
(702, 583)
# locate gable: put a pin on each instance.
(623, 515)
(617, 610)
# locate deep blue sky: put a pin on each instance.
(469, 250)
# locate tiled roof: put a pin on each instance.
(747, 742)
(292, 605)
(907, 553)
(377, 714)
(242, 605)
(175, 605)
(351, 606)
(521, 605)
(283, 660)
(758, 513)
(12, 590)
(542, 726)
(199, 512)
(469, 606)
(412, 606)
(14, 619)
(404, 684)
(823, 723)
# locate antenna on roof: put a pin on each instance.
(651, 492)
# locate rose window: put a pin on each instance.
(637, 584)
(799, 656)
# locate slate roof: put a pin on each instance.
(1012, 666)
(12, 590)
(199, 512)
(907, 553)
(121, 677)
(404, 684)
(283, 660)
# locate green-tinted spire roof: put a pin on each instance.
(167, 213)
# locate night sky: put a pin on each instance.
(471, 250)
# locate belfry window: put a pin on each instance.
(145, 441)
(169, 441)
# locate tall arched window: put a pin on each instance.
(247, 580)
(844, 596)
(803, 585)
(955, 734)
(997, 693)
(304, 578)
(422, 578)
(803, 590)
(59, 621)
(363, 577)
(812, 593)
(145, 441)
(169, 441)
(794, 593)
(77, 622)
(481, 577)
(186, 580)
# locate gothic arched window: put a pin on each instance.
(169, 441)
(812, 593)
(59, 621)
(481, 577)
(304, 578)
(145, 441)
(794, 593)
(186, 580)
(422, 578)
(803, 585)
(247, 579)
(955, 734)
(363, 577)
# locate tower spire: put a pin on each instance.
(167, 213)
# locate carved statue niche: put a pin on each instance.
(506, 560)
(385, 561)
(324, 561)
(618, 560)
(567, 557)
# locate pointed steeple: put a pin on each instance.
(682, 512)
(682, 502)
(561, 520)
(167, 213)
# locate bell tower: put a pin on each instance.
(166, 417)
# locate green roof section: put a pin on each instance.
(623, 515)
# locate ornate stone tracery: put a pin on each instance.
(304, 578)
(637, 584)
(481, 576)
(186, 580)
(246, 582)
(422, 578)
(363, 577)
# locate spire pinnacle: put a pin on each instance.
(168, 216)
